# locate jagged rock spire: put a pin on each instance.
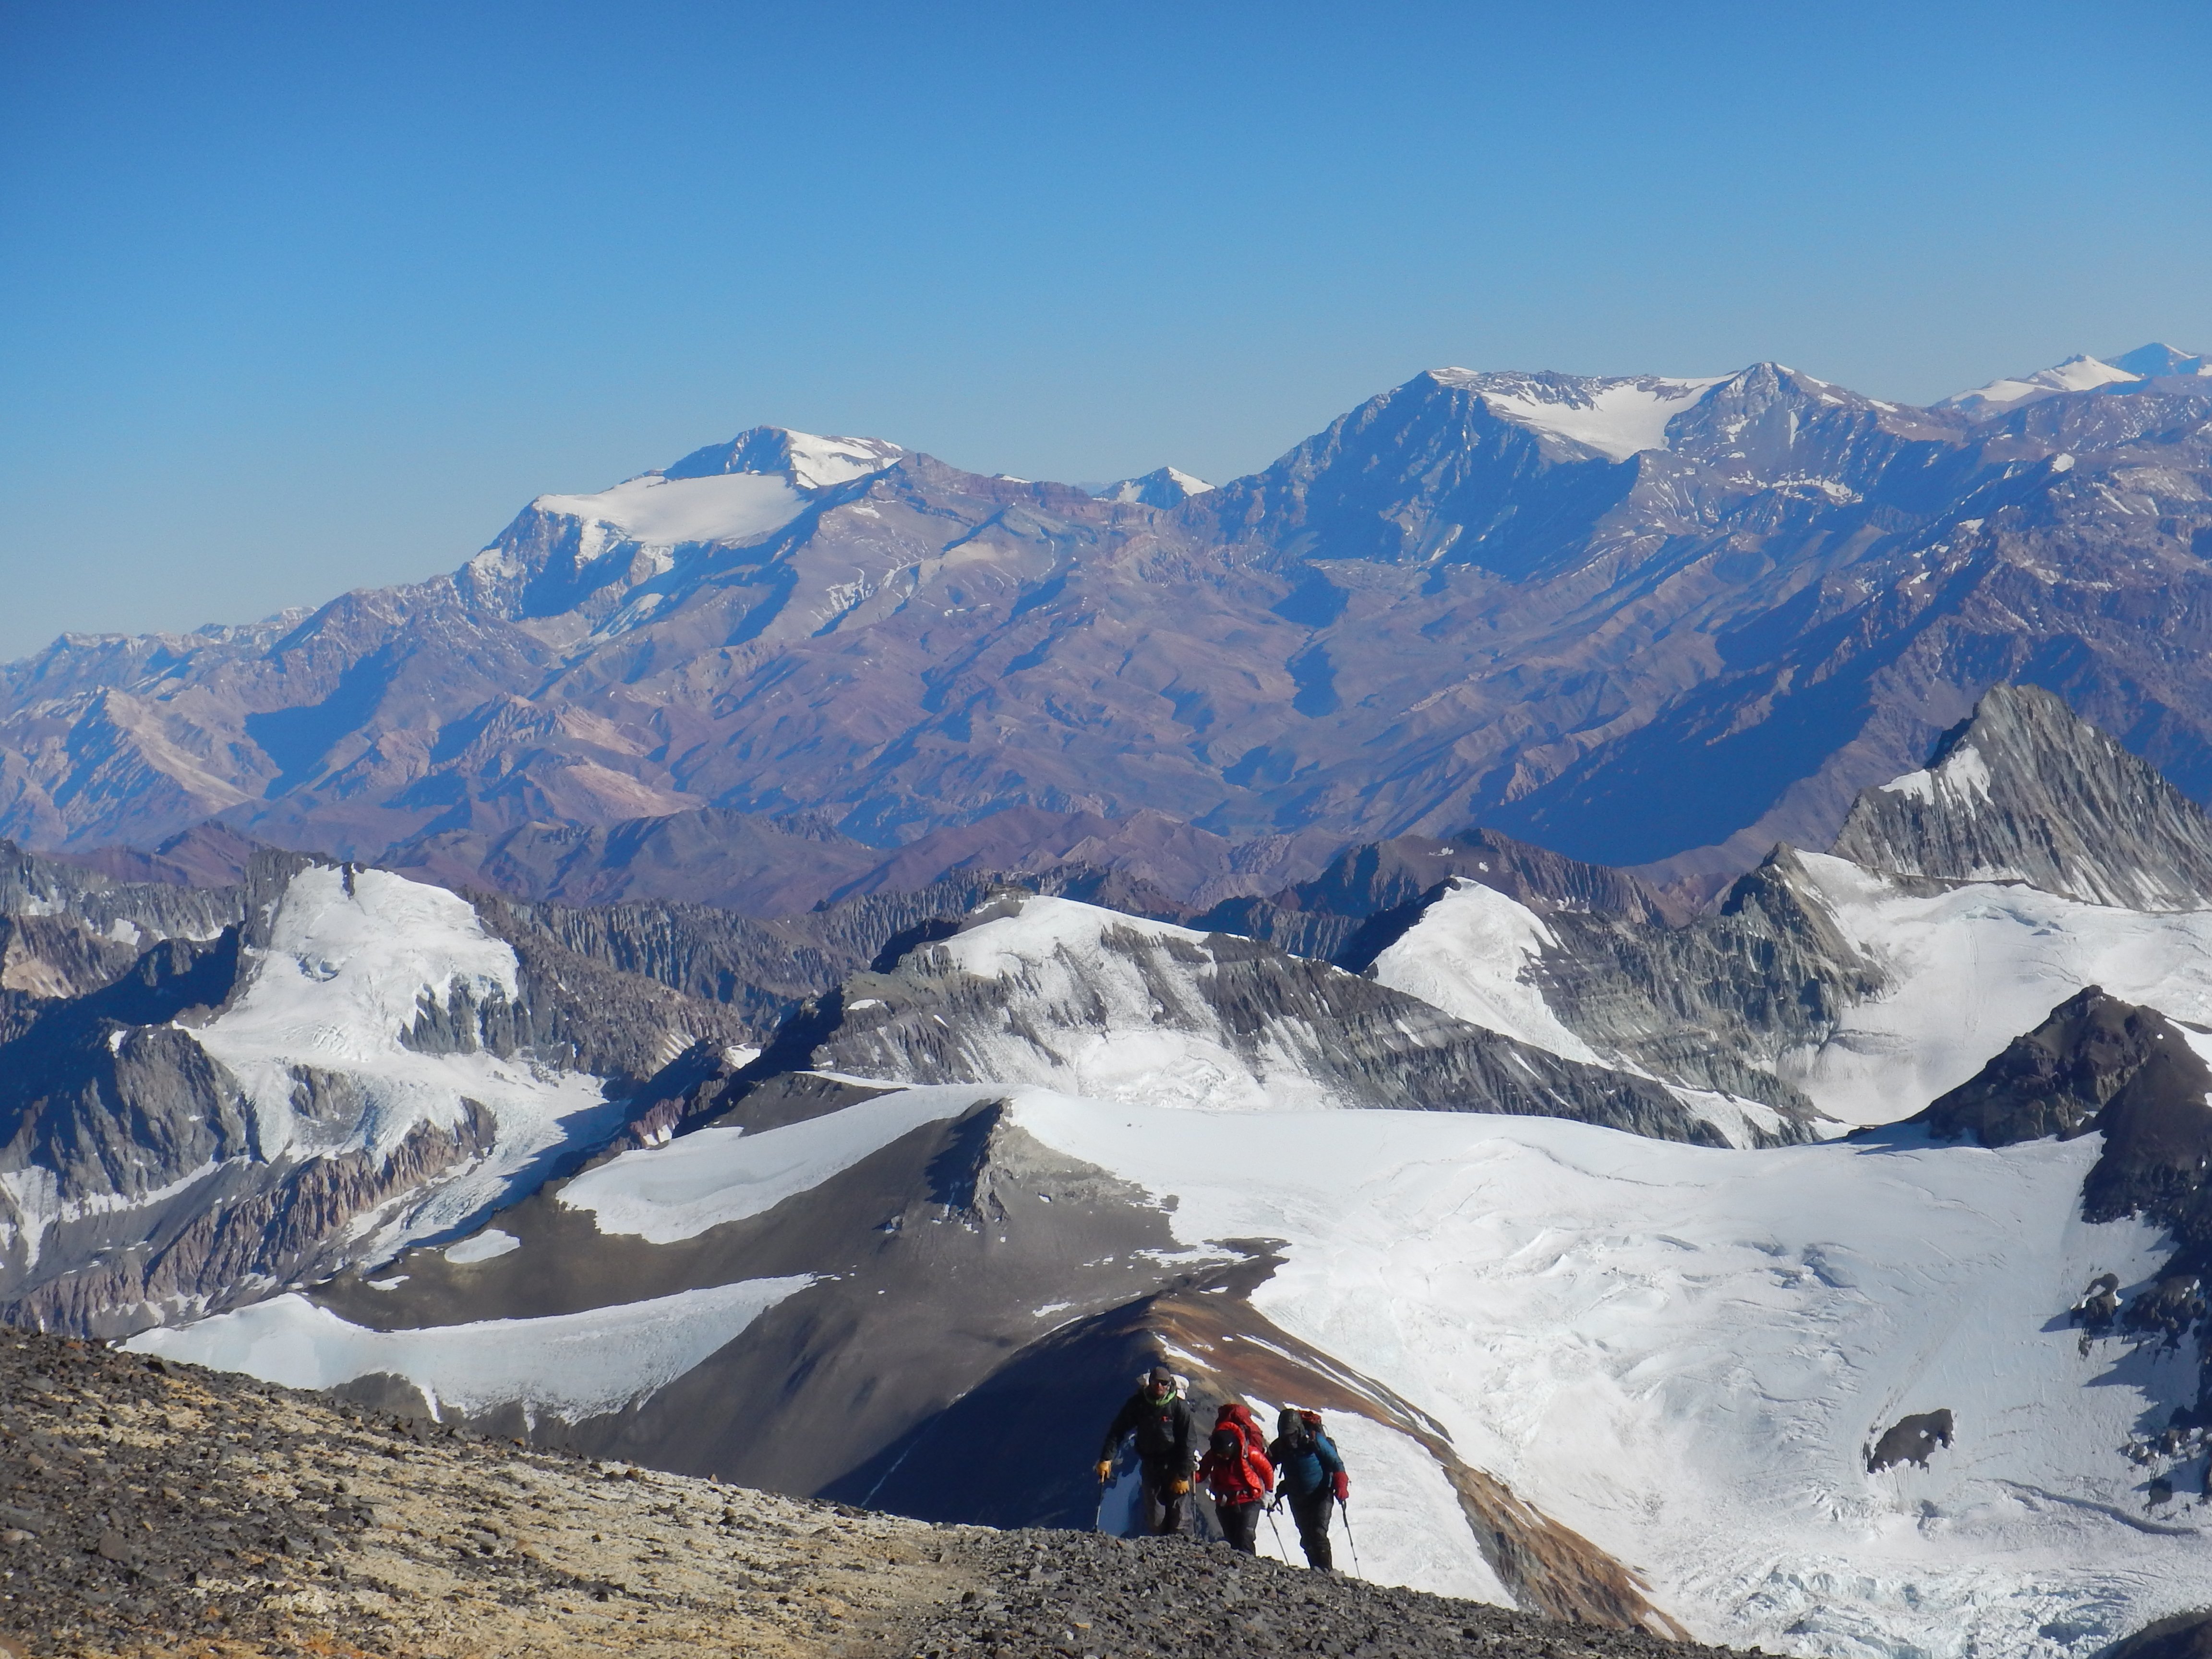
(2028, 791)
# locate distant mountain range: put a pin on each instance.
(1644, 621)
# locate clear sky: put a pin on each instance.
(297, 298)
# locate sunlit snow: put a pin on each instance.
(344, 974)
(1971, 968)
(711, 1177)
(727, 506)
(1684, 1354)
(2077, 374)
(1617, 418)
(568, 1365)
(1472, 954)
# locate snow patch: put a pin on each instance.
(727, 506)
(1404, 1514)
(1616, 417)
(664, 1194)
(487, 1246)
(1474, 954)
(572, 1366)
(1964, 776)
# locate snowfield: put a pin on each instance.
(567, 1366)
(658, 512)
(1685, 1354)
(1617, 419)
(1102, 1010)
(717, 1176)
(2077, 374)
(348, 962)
(1473, 954)
(1970, 969)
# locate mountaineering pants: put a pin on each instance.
(1240, 1525)
(1164, 1512)
(1311, 1512)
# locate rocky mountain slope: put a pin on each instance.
(2028, 791)
(170, 1510)
(1635, 620)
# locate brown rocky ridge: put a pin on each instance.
(154, 1508)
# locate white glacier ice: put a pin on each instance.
(1685, 1354)
(711, 1177)
(567, 1366)
(2076, 373)
(1971, 968)
(1473, 954)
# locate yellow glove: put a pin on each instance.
(1177, 1488)
(1105, 1471)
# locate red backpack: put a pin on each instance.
(1236, 1469)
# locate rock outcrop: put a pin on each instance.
(1046, 990)
(2026, 790)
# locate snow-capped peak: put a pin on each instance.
(739, 492)
(2158, 361)
(807, 460)
(350, 960)
(1617, 417)
(1165, 486)
(2076, 373)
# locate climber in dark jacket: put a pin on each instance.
(1313, 1480)
(1167, 1447)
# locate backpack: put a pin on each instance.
(1233, 1470)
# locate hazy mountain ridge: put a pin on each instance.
(1448, 608)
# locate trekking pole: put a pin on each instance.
(1285, 1554)
(1346, 1505)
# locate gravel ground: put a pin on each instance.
(150, 1509)
(1079, 1593)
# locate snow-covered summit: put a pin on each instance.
(809, 461)
(2076, 373)
(2158, 361)
(351, 959)
(1165, 486)
(1617, 417)
(739, 492)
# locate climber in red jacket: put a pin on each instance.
(1236, 1473)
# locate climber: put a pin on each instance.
(1237, 1473)
(1167, 1447)
(1313, 1480)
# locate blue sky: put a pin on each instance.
(300, 297)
